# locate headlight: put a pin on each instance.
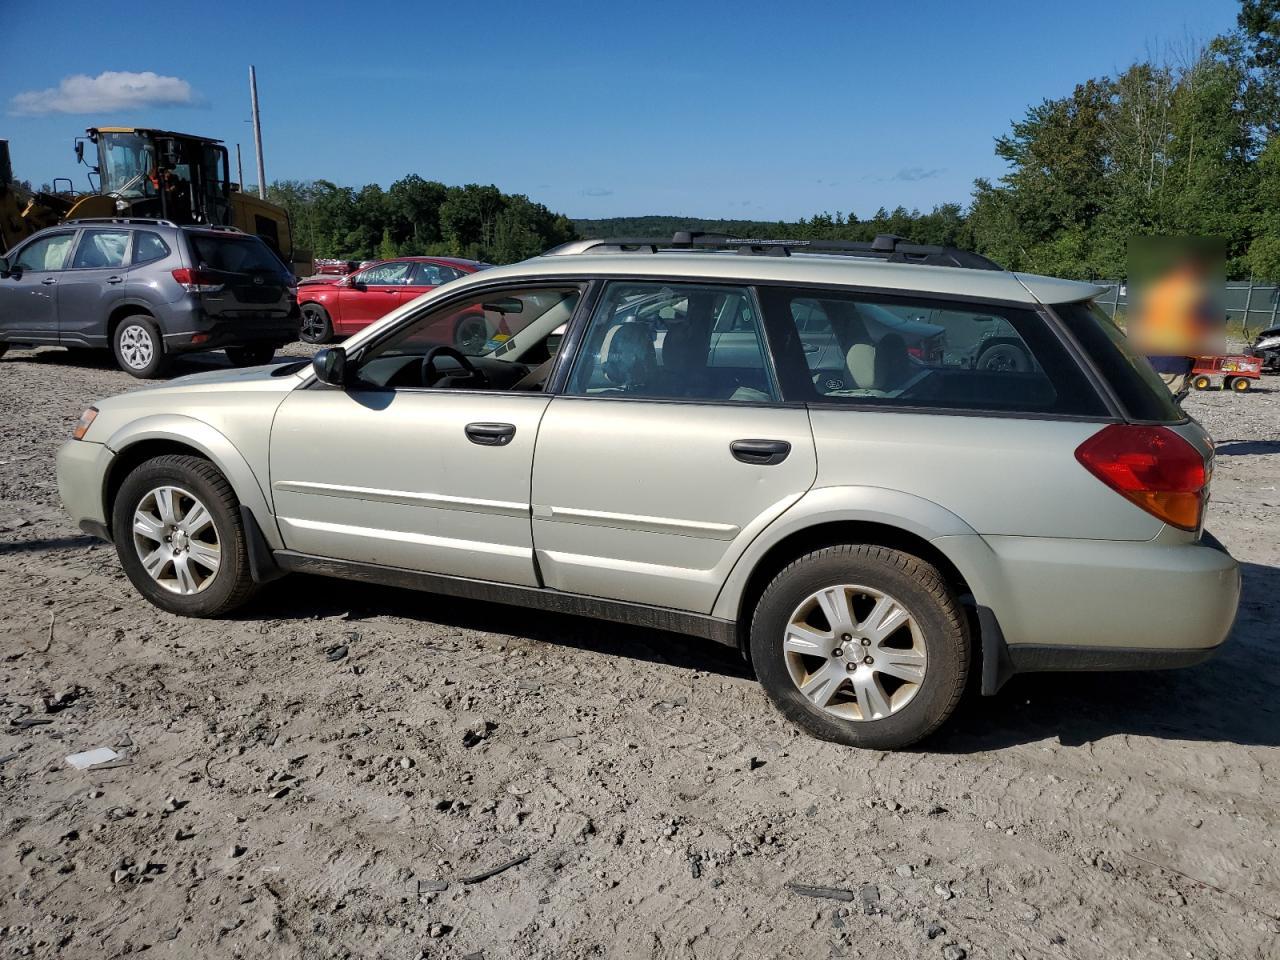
(82, 425)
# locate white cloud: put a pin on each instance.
(109, 91)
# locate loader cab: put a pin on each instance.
(162, 174)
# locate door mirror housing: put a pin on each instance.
(330, 366)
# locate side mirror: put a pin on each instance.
(330, 365)
(5, 269)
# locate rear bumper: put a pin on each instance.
(198, 330)
(1046, 604)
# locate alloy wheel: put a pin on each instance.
(136, 346)
(855, 652)
(176, 540)
(312, 326)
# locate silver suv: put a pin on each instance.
(148, 289)
(771, 445)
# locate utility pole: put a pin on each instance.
(257, 132)
(239, 168)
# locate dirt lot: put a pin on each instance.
(273, 803)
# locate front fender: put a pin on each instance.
(845, 504)
(213, 445)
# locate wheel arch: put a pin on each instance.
(155, 436)
(836, 515)
(129, 308)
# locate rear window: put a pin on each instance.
(869, 350)
(233, 254)
(1139, 388)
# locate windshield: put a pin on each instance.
(125, 161)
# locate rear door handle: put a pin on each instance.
(491, 434)
(115, 279)
(49, 281)
(761, 452)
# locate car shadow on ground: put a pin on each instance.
(1237, 448)
(306, 596)
(105, 360)
(1235, 697)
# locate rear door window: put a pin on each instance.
(101, 248)
(433, 274)
(858, 349)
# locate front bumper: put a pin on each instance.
(82, 470)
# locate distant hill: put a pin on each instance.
(666, 226)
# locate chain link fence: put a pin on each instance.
(1251, 307)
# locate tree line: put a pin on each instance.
(1186, 144)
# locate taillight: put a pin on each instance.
(197, 281)
(1151, 466)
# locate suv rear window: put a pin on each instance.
(1139, 388)
(847, 347)
(235, 253)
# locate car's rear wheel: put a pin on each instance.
(317, 327)
(139, 348)
(862, 645)
(177, 530)
(1241, 385)
(252, 355)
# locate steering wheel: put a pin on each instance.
(430, 375)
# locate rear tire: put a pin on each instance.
(869, 677)
(1202, 382)
(204, 572)
(139, 348)
(1241, 385)
(1004, 356)
(4, 347)
(317, 327)
(251, 356)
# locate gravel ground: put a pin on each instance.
(270, 802)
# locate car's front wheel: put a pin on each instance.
(317, 327)
(863, 645)
(139, 348)
(178, 534)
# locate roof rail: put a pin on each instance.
(220, 227)
(885, 246)
(155, 221)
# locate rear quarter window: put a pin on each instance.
(1137, 386)
(855, 349)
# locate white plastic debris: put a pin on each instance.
(90, 758)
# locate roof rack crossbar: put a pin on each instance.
(885, 246)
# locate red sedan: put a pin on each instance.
(334, 307)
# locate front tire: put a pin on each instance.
(1201, 382)
(139, 348)
(861, 645)
(177, 530)
(317, 326)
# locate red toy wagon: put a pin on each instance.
(1237, 372)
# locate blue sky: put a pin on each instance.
(719, 109)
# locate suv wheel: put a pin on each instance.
(251, 356)
(316, 325)
(179, 537)
(139, 348)
(862, 645)
(1005, 357)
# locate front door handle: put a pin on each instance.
(49, 281)
(491, 434)
(115, 279)
(763, 453)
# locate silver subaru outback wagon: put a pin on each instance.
(804, 450)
